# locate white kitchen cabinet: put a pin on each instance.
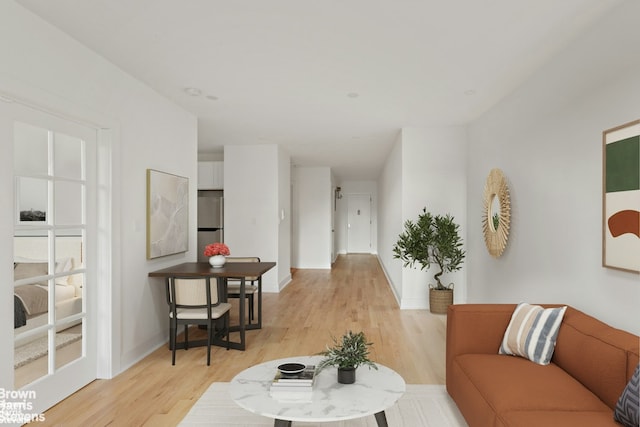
(211, 175)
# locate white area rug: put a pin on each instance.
(38, 348)
(421, 405)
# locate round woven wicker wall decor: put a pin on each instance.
(496, 218)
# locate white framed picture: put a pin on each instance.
(167, 214)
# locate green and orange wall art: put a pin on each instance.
(621, 197)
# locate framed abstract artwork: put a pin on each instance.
(621, 197)
(167, 214)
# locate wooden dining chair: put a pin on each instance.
(196, 302)
(250, 288)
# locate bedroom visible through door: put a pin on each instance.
(55, 217)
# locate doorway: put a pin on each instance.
(359, 223)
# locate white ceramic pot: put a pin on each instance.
(217, 261)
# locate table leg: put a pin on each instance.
(381, 419)
(260, 302)
(241, 327)
(167, 282)
(222, 281)
(259, 324)
(242, 301)
(281, 423)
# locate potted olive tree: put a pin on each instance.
(351, 351)
(432, 239)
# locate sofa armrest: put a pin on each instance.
(475, 329)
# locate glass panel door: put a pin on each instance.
(54, 255)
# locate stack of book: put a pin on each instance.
(294, 387)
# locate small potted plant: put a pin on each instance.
(217, 253)
(351, 351)
(432, 239)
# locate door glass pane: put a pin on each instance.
(69, 344)
(69, 250)
(32, 199)
(68, 297)
(30, 358)
(31, 154)
(30, 270)
(68, 203)
(30, 246)
(68, 156)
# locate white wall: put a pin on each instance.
(390, 218)
(313, 204)
(433, 169)
(284, 228)
(547, 138)
(341, 213)
(256, 188)
(46, 67)
(426, 168)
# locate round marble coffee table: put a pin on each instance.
(373, 392)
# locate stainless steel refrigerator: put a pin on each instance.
(210, 219)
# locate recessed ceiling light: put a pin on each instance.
(192, 91)
(353, 95)
(469, 92)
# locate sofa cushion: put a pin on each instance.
(532, 332)
(514, 384)
(627, 410)
(558, 418)
(595, 354)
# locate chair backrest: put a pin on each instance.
(243, 259)
(193, 292)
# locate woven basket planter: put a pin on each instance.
(439, 300)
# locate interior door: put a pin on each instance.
(359, 223)
(55, 234)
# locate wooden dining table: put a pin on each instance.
(230, 270)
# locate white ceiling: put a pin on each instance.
(331, 81)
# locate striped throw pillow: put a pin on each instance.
(532, 332)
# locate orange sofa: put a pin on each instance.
(590, 368)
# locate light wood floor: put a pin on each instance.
(300, 320)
